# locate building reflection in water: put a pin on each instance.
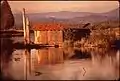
(37, 58)
(40, 59)
(56, 63)
(49, 56)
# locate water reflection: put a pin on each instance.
(80, 55)
(62, 64)
(49, 56)
(5, 57)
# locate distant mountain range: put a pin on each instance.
(68, 16)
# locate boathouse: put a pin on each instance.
(48, 33)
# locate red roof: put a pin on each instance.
(48, 26)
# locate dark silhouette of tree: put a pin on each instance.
(7, 18)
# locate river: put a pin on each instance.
(59, 63)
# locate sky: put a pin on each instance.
(55, 6)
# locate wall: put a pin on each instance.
(55, 38)
(49, 37)
(41, 37)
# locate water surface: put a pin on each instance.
(60, 64)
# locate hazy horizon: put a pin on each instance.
(57, 6)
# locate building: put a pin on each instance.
(48, 33)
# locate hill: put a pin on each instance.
(68, 17)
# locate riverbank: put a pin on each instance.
(100, 38)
